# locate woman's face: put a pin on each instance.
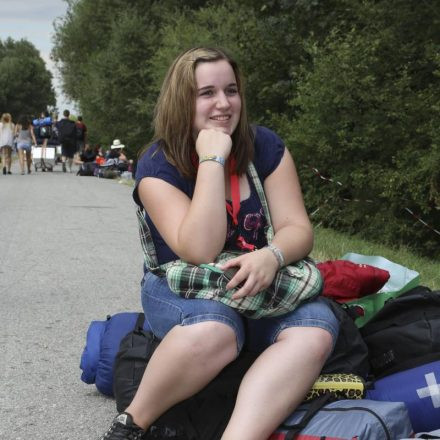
(218, 103)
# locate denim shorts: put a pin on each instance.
(24, 146)
(164, 310)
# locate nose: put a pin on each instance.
(222, 100)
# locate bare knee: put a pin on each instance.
(319, 342)
(208, 340)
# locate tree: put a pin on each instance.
(368, 116)
(102, 49)
(25, 83)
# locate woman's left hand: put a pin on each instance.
(256, 271)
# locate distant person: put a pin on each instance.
(81, 134)
(25, 137)
(86, 161)
(117, 157)
(100, 156)
(116, 152)
(43, 128)
(67, 136)
(53, 140)
(6, 141)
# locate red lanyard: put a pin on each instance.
(233, 207)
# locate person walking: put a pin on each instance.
(25, 137)
(81, 135)
(67, 136)
(43, 129)
(6, 141)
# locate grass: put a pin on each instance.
(332, 245)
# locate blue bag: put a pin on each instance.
(102, 345)
(419, 389)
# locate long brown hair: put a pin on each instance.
(175, 110)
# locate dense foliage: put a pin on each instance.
(351, 85)
(25, 83)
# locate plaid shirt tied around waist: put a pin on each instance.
(292, 284)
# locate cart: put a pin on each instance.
(43, 157)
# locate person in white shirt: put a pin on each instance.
(6, 141)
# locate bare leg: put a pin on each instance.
(4, 158)
(28, 160)
(8, 158)
(21, 160)
(186, 360)
(277, 382)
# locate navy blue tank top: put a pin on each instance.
(269, 150)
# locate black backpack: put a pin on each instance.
(46, 131)
(350, 354)
(203, 416)
(405, 333)
(66, 130)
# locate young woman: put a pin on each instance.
(183, 181)
(6, 141)
(25, 137)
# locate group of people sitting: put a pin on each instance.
(93, 162)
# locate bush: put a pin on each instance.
(367, 116)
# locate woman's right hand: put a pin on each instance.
(213, 142)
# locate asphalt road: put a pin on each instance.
(69, 254)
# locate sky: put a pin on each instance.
(33, 20)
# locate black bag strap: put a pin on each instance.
(139, 326)
(312, 410)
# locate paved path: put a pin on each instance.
(69, 254)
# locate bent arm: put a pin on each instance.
(292, 227)
(31, 130)
(195, 229)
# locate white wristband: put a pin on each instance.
(278, 254)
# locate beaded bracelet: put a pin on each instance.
(278, 254)
(214, 158)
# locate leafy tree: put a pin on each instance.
(102, 48)
(368, 117)
(352, 86)
(25, 83)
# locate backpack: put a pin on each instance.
(46, 131)
(405, 333)
(66, 130)
(350, 354)
(203, 416)
(87, 169)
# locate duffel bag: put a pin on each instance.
(347, 419)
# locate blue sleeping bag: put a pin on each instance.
(102, 345)
(419, 389)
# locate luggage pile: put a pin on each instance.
(381, 382)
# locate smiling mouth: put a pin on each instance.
(222, 118)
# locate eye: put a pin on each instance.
(207, 93)
(231, 91)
